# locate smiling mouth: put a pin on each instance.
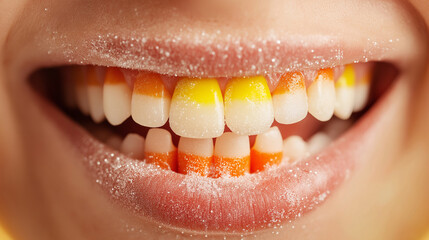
(204, 153)
(215, 127)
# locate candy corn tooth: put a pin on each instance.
(294, 148)
(150, 103)
(159, 149)
(248, 105)
(321, 95)
(79, 75)
(362, 92)
(116, 97)
(231, 155)
(345, 93)
(195, 155)
(318, 142)
(133, 146)
(95, 95)
(290, 99)
(267, 150)
(196, 109)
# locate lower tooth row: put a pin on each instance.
(229, 155)
(198, 109)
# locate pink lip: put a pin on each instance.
(247, 203)
(212, 57)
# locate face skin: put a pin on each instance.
(46, 194)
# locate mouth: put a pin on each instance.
(222, 153)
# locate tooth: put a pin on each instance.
(159, 149)
(95, 95)
(290, 99)
(150, 103)
(318, 142)
(294, 148)
(345, 93)
(248, 105)
(116, 97)
(195, 155)
(231, 155)
(267, 150)
(362, 92)
(321, 95)
(197, 108)
(133, 146)
(80, 78)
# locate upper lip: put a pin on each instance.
(221, 52)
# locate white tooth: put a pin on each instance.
(269, 142)
(362, 92)
(195, 155)
(290, 99)
(114, 142)
(294, 148)
(150, 103)
(267, 150)
(345, 93)
(133, 146)
(79, 75)
(159, 140)
(318, 142)
(321, 95)
(159, 149)
(95, 95)
(197, 108)
(116, 97)
(231, 155)
(248, 105)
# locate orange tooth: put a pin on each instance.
(193, 163)
(261, 160)
(150, 84)
(231, 155)
(163, 160)
(150, 103)
(159, 149)
(267, 150)
(195, 155)
(235, 167)
(290, 82)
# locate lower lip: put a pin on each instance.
(248, 203)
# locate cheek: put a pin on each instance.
(11, 151)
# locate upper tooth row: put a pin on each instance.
(197, 108)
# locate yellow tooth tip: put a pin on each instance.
(197, 89)
(347, 79)
(248, 89)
